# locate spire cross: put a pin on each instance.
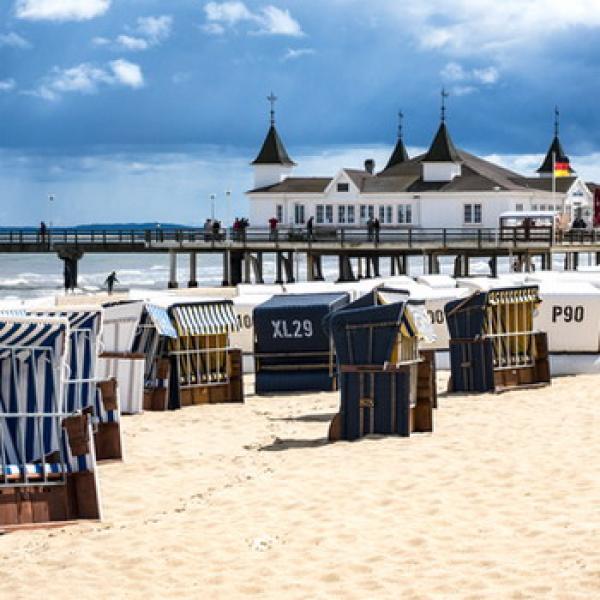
(272, 98)
(400, 119)
(445, 94)
(556, 120)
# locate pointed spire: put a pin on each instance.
(445, 95)
(273, 151)
(442, 148)
(555, 153)
(272, 98)
(399, 155)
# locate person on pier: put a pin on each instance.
(309, 228)
(376, 227)
(273, 229)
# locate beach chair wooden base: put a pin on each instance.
(232, 391)
(107, 441)
(41, 505)
(422, 413)
(156, 399)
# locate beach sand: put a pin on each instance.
(232, 501)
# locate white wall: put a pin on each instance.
(441, 171)
(269, 174)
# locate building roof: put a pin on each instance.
(592, 186)
(557, 153)
(273, 151)
(442, 148)
(399, 155)
(563, 184)
(307, 185)
(477, 175)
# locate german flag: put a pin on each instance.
(562, 169)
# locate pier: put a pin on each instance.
(359, 253)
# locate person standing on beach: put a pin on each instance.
(309, 229)
(110, 282)
(370, 227)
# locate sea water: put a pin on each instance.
(24, 276)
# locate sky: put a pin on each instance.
(140, 110)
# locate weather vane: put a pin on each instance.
(556, 120)
(272, 99)
(400, 119)
(445, 94)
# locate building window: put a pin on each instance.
(320, 213)
(328, 213)
(341, 213)
(542, 207)
(279, 213)
(351, 214)
(389, 214)
(404, 214)
(299, 214)
(534, 207)
(472, 214)
(343, 187)
(371, 211)
(363, 213)
(519, 207)
(382, 214)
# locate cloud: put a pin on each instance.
(155, 29)
(7, 85)
(295, 53)
(86, 78)
(269, 20)
(467, 81)
(132, 43)
(60, 10)
(469, 28)
(127, 73)
(13, 40)
(148, 32)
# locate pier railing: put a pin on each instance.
(409, 237)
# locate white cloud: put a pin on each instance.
(132, 43)
(270, 19)
(127, 73)
(488, 75)
(100, 41)
(148, 32)
(466, 81)
(155, 29)
(469, 27)
(275, 21)
(229, 13)
(7, 85)
(60, 10)
(13, 40)
(86, 78)
(293, 53)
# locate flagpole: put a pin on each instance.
(554, 180)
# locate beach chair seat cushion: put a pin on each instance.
(33, 471)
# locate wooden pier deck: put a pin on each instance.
(243, 253)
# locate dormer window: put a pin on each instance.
(343, 187)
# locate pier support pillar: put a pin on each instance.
(359, 267)
(278, 268)
(173, 270)
(226, 268)
(70, 258)
(368, 274)
(597, 258)
(193, 282)
(493, 262)
(345, 272)
(247, 267)
(433, 264)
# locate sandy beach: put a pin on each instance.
(232, 501)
